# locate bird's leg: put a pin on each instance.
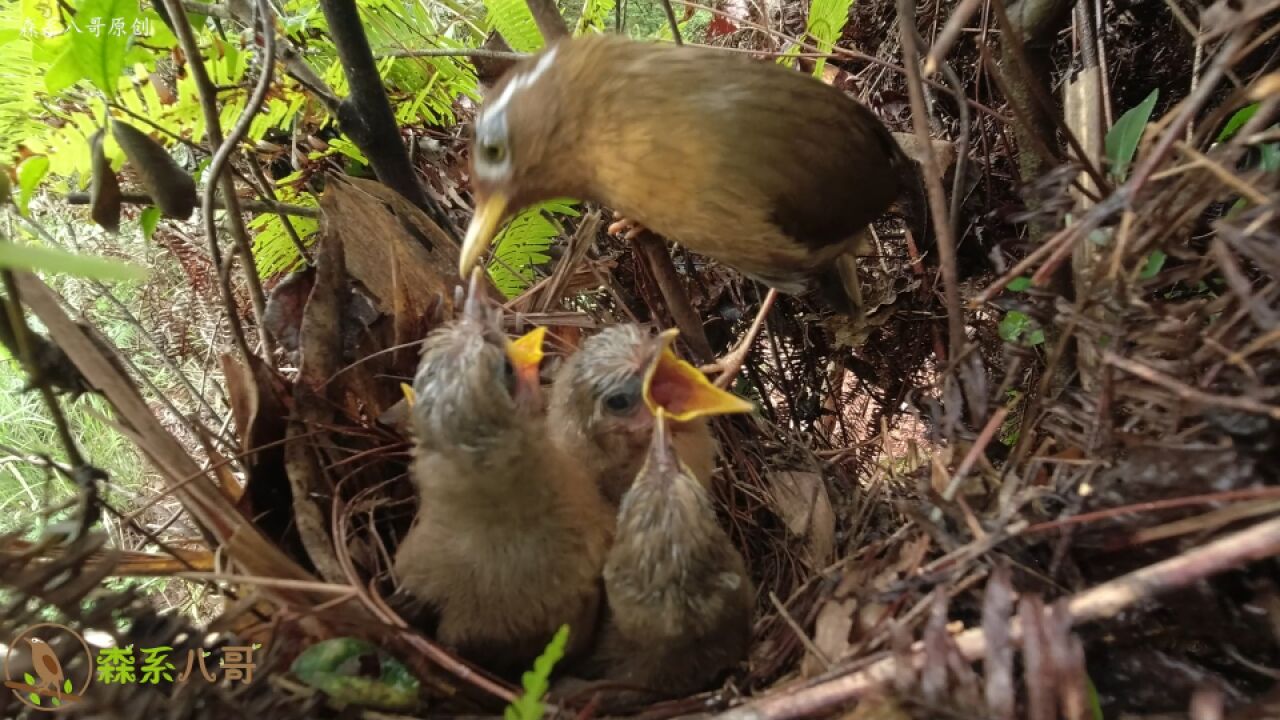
(629, 229)
(732, 362)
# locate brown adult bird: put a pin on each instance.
(679, 595)
(763, 168)
(601, 415)
(511, 534)
(48, 667)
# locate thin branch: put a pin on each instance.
(454, 52)
(255, 206)
(933, 181)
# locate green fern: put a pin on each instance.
(827, 19)
(513, 19)
(597, 16)
(273, 249)
(523, 244)
(535, 682)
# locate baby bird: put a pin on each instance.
(511, 534)
(679, 595)
(599, 413)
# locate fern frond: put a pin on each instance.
(827, 19)
(523, 244)
(515, 22)
(535, 682)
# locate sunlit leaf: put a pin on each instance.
(149, 220)
(46, 259)
(535, 682)
(101, 56)
(1123, 137)
(1153, 265)
(63, 74)
(1237, 121)
(30, 173)
(826, 23)
(515, 22)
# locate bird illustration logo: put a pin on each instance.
(37, 675)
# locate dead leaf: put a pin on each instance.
(171, 188)
(800, 499)
(830, 635)
(944, 151)
(104, 189)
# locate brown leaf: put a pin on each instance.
(104, 190)
(170, 187)
(283, 316)
(830, 635)
(800, 499)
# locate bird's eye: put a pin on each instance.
(620, 402)
(493, 153)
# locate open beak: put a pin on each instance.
(680, 391)
(490, 212)
(525, 354)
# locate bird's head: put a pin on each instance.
(474, 385)
(527, 139)
(610, 390)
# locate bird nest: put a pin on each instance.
(1072, 498)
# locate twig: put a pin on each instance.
(933, 181)
(950, 33)
(655, 255)
(365, 114)
(548, 19)
(1099, 603)
(454, 52)
(1188, 393)
(208, 103)
(671, 20)
(731, 364)
(257, 206)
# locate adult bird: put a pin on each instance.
(760, 167)
(601, 414)
(511, 534)
(48, 667)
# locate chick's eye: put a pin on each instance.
(620, 402)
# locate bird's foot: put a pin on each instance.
(731, 364)
(629, 229)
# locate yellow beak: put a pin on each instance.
(525, 354)
(490, 212)
(680, 391)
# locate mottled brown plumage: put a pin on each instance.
(511, 535)
(763, 168)
(598, 415)
(679, 596)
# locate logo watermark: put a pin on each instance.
(47, 687)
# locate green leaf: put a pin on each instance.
(1017, 327)
(29, 678)
(826, 22)
(523, 244)
(30, 173)
(63, 74)
(1270, 153)
(535, 682)
(101, 57)
(1123, 138)
(149, 219)
(1155, 262)
(1019, 284)
(66, 686)
(34, 698)
(44, 259)
(515, 22)
(1237, 121)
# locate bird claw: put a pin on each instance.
(629, 229)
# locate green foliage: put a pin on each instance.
(47, 259)
(1153, 265)
(597, 16)
(100, 57)
(1237, 121)
(1123, 137)
(149, 219)
(340, 667)
(515, 22)
(30, 173)
(524, 243)
(1018, 327)
(1019, 284)
(535, 682)
(826, 23)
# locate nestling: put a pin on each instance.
(765, 169)
(511, 535)
(679, 596)
(599, 414)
